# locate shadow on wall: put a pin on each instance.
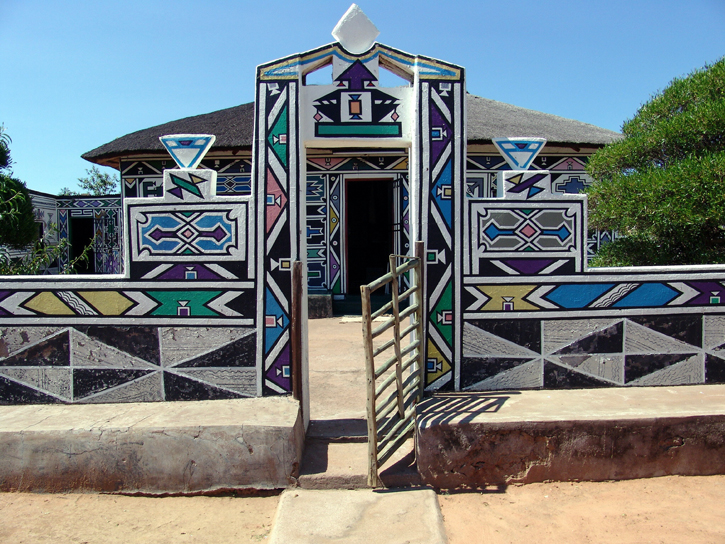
(463, 407)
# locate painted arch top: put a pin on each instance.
(399, 62)
(355, 35)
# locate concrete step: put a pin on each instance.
(499, 438)
(358, 517)
(336, 453)
(155, 447)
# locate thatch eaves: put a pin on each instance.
(234, 128)
(489, 119)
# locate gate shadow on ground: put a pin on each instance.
(445, 408)
(323, 432)
(335, 430)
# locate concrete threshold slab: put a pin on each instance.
(336, 456)
(358, 517)
(480, 439)
(164, 447)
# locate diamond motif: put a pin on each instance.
(528, 231)
(355, 32)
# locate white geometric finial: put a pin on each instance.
(519, 153)
(188, 150)
(355, 32)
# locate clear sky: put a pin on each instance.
(76, 74)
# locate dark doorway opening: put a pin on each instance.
(81, 234)
(369, 231)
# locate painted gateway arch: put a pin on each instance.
(426, 118)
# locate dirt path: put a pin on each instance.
(111, 519)
(670, 509)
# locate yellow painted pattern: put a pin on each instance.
(107, 302)
(49, 304)
(515, 180)
(310, 61)
(512, 293)
(402, 165)
(334, 220)
(442, 365)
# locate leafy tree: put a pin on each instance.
(18, 229)
(17, 221)
(5, 160)
(95, 183)
(663, 185)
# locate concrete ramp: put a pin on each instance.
(358, 517)
(482, 439)
(169, 447)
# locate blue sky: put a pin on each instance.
(77, 74)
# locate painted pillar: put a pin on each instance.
(440, 147)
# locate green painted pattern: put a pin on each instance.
(275, 136)
(444, 304)
(194, 300)
(353, 129)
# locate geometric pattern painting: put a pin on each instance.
(279, 200)
(505, 230)
(441, 181)
(145, 178)
(601, 294)
(638, 350)
(535, 317)
(181, 325)
(101, 364)
(429, 115)
(567, 177)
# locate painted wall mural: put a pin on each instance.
(326, 206)
(441, 148)
(180, 325)
(535, 317)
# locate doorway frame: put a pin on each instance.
(362, 178)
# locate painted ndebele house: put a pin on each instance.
(329, 175)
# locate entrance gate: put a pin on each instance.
(391, 397)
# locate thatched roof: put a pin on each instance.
(234, 129)
(489, 119)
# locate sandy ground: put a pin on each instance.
(669, 509)
(109, 519)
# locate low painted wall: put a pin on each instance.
(181, 324)
(534, 316)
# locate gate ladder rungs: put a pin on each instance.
(392, 399)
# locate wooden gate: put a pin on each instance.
(395, 385)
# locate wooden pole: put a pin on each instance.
(296, 332)
(420, 282)
(367, 326)
(396, 337)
